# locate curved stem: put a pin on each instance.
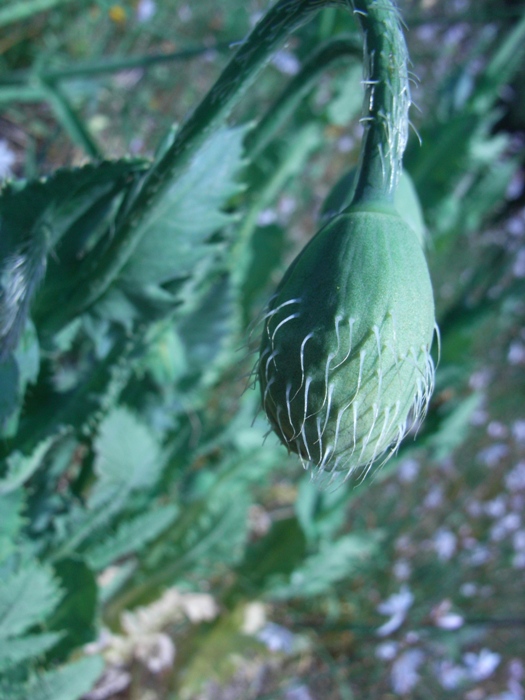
(316, 63)
(97, 274)
(299, 147)
(384, 143)
(68, 118)
(109, 64)
(387, 101)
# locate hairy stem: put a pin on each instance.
(387, 100)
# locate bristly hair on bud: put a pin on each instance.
(345, 367)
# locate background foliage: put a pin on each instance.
(152, 543)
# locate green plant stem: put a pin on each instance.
(21, 94)
(64, 112)
(99, 271)
(83, 406)
(18, 11)
(327, 22)
(144, 589)
(71, 122)
(507, 58)
(110, 65)
(299, 148)
(385, 56)
(387, 101)
(328, 53)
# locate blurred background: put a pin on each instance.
(410, 584)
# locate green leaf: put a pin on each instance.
(27, 356)
(221, 537)
(26, 359)
(57, 201)
(21, 468)
(115, 305)
(75, 615)
(333, 563)
(69, 682)
(28, 647)
(96, 391)
(267, 247)
(277, 553)
(105, 503)
(320, 512)
(454, 427)
(347, 104)
(505, 61)
(210, 532)
(27, 597)
(453, 142)
(127, 453)
(178, 227)
(205, 333)
(165, 358)
(127, 459)
(131, 536)
(34, 217)
(484, 198)
(21, 271)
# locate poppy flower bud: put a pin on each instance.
(345, 367)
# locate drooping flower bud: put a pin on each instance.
(345, 367)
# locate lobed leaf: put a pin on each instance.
(58, 201)
(127, 453)
(131, 536)
(65, 683)
(206, 335)
(177, 229)
(27, 597)
(19, 369)
(334, 562)
(75, 616)
(22, 649)
(34, 217)
(21, 468)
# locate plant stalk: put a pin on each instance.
(109, 65)
(18, 11)
(385, 137)
(387, 101)
(71, 122)
(320, 60)
(96, 275)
